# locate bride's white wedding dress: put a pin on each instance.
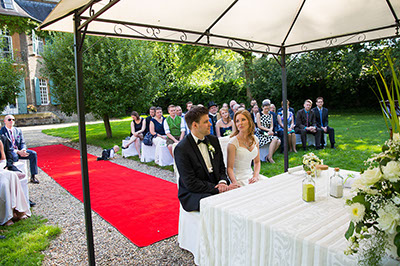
(243, 157)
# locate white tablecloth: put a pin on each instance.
(268, 223)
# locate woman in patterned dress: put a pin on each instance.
(265, 131)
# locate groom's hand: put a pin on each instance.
(222, 187)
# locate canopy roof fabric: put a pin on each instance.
(263, 26)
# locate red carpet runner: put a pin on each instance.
(143, 208)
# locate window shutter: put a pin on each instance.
(34, 41)
(22, 99)
(53, 98)
(37, 92)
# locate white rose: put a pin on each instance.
(388, 218)
(396, 200)
(358, 184)
(391, 171)
(371, 176)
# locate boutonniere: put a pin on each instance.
(211, 150)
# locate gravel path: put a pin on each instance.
(61, 208)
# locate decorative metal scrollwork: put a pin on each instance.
(362, 37)
(118, 29)
(183, 37)
(267, 48)
(249, 45)
(304, 47)
(91, 11)
(331, 42)
(153, 32)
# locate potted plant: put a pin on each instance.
(31, 108)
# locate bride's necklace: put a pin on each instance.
(244, 142)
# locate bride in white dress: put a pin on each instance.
(13, 205)
(243, 148)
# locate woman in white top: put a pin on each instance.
(242, 150)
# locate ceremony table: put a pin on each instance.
(268, 223)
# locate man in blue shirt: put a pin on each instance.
(321, 116)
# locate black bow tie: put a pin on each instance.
(202, 141)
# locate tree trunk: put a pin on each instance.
(248, 62)
(106, 120)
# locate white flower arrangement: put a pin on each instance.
(375, 207)
(310, 161)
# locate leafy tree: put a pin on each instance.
(119, 75)
(11, 75)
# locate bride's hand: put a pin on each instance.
(253, 179)
(233, 186)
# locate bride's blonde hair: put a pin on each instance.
(250, 130)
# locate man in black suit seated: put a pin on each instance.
(199, 161)
(321, 116)
(306, 124)
(152, 113)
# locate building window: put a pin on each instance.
(44, 93)
(7, 4)
(6, 45)
(37, 44)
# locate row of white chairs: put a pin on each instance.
(157, 152)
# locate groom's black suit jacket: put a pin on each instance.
(195, 182)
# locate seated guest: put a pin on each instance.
(179, 111)
(157, 126)
(152, 113)
(306, 124)
(13, 205)
(138, 126)
(212, 114)
(321, 116)
(109, 154)
(200, 162)
(265, 131)
(272, 108)
(290, 125)
(173, 128)
(231, 105)
(18, 147)
(254, 111)
(252, 103)
(224, 125)
(225, 105)
(189, 105)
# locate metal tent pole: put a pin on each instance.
(78, 41)
(285, 109)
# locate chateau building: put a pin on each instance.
(26, 50)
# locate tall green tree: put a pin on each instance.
(10, 81)
(119, 75)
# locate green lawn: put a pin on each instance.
(25, 240)
(357, 137)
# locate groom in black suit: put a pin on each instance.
(200, 163)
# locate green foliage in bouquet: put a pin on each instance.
(391, 91)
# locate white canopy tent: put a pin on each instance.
(256, 25)
(265, 26)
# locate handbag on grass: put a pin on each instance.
(148, 139)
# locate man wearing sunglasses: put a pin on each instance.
(18, 147)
